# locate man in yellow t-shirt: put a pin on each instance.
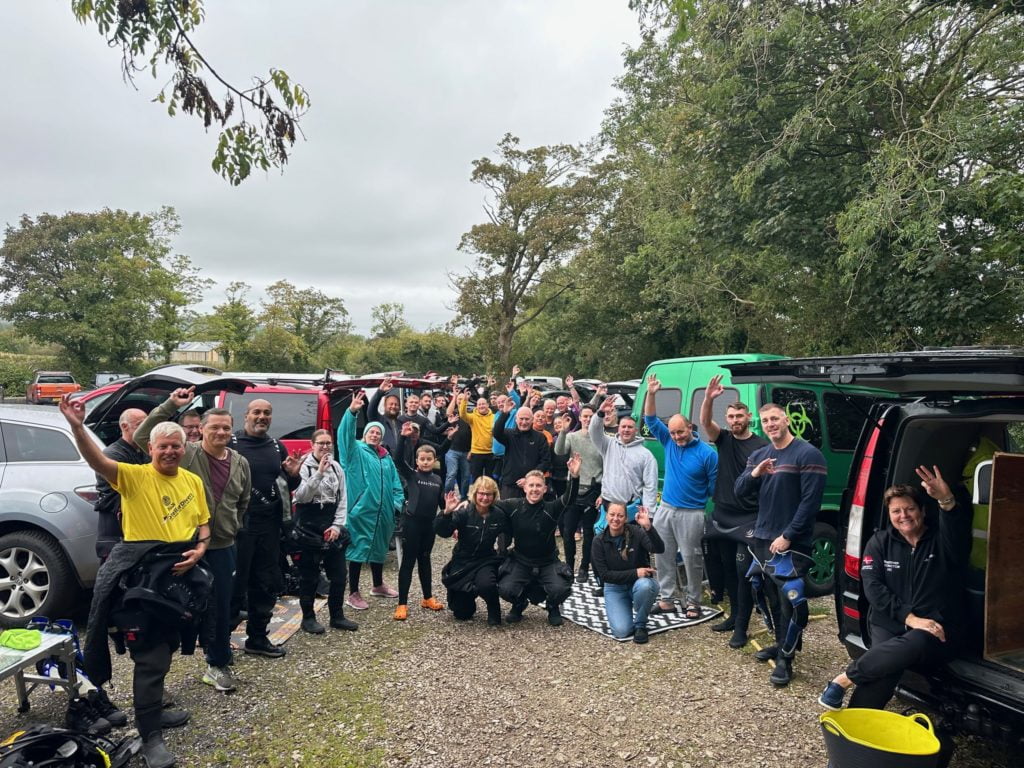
(481, 425)
(160, 502)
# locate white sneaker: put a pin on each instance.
(220, 678)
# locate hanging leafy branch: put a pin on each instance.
(154, 32)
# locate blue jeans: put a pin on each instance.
(222, 563)
(456, 472)
(627, 607)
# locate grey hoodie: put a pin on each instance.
(630, 470)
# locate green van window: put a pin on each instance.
(845, 415)
(722, 402)
(801, 406)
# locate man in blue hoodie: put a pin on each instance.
(691, 468)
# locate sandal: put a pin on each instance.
(693, 611)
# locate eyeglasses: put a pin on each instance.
(485, 493)
(323, 445)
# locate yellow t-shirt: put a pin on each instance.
(481, 429)
(156, 507)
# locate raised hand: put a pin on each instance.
(73, 410)
(387, 385)
(183, 396)
(574, 464)
(291, 464)
(714, 388)
(766, 467)
(643, 518)
(515, 371)
(653, 385)
(358, 400)
(325, 463)
(602, 389)
(933, 483)
(451, 502)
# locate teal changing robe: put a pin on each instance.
(374, 495)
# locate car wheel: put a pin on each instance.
(35, 578)
(821, 576)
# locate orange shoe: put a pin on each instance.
(401, 613)
(432, 604)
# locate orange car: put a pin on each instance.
(51, 386)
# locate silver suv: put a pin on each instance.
(47, 522)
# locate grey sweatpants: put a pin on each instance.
(680, 529)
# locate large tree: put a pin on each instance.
(100, 285)
(259, 123)
(818, 176)
(308, 314)
(231, 324)
(539, 206)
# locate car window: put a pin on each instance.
(844, 416)
(25, 442)
(294, 413)
(801, 406)
(666, 405)
(718, 408)
(55, 380)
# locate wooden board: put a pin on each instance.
(1004, 577)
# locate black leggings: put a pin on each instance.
(354, 569)
(575, 516)
(485, 586)
(417, 544)
(731, 559)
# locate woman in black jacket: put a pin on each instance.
(913, 573)
(621, 557)
(473, 570)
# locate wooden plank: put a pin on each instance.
(1004, 576)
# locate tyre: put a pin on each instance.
(35, 578)
(821, 577)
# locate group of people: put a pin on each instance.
(503, 470)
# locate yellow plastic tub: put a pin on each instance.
(874, 738)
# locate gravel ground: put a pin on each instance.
(433, 693)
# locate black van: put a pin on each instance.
(957, 409)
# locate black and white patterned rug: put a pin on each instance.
(587, 609)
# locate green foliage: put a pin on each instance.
(539, 208)
(408, 350)
(98, 285)
(807, 177)
(156, 33)
(231, 323)
(309, 315)
(388, 320)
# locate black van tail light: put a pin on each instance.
(855, 527)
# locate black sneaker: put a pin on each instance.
(515, 614)
(264, 648)
(105, 708)
(726, 626)
(155, 753)
(83, 718)
(581, 575)
(782, 673)
(555, 616)
(640, 635)
(174, 718)
(340, 622)
(738, 640)
(312, 626)
(494, 619)
(599, 592)
(767, 653)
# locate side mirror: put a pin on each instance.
(982, 482)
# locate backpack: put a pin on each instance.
(41, 746)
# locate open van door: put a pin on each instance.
(150, 389)
(972, 370)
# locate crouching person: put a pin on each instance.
(161, 505)
(532, 572)
(473, 569)
(621, 558)
(913, 573)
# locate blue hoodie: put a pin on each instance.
(690, 470)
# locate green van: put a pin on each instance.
(829, 416)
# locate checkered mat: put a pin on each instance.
(587, 609)
(283, 623)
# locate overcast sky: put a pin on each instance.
(405, 95)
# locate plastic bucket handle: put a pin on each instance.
(923, 720)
